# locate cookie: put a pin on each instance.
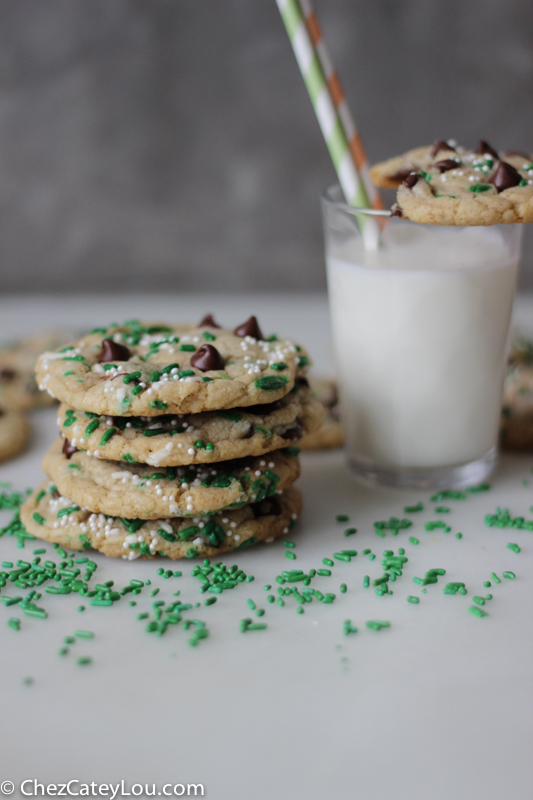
(18, 387)
(50, 516)
(146, 370)
(516, 423)
(330, 434)
(445, 185)
(204, 438)
(14, 433)
(129, 490)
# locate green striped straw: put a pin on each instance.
(308, 56)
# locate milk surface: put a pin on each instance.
(420, 330)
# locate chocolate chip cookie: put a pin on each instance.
(447, 185)
(140, 369)
(49, 515)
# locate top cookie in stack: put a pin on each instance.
(181, 399)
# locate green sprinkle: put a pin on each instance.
(7, 564)
(210, 601)
(323, 572)
(348, 628)
(495, 577)
(479, 187)
(92, 426)
(38, 518)
(377, 624)
(458, 535)
(487, 584)
(350, 531)
(158, 404)
(509, 575)
(366, 581)
(187, 348)
(412, 599)
(371, 557)
(84, 634)
(191, 552)
(413, 509)
(14, 623)
(477, 612)
(431, 526)
(414, 540)
(132, 376)
(279, 365)
(288, 544)
(289, 554)
(514, 547)
(343, 588)
(328, 562)
(271, 383)
(84, 661)
(342, 518)
(110, 432)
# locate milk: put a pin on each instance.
(420, 331)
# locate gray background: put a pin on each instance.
(170, 144)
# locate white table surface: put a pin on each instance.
(439, 705)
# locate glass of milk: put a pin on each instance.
(420, 332)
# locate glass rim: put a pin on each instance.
(355, 210)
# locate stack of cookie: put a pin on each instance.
(176, 440)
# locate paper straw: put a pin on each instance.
(337, 95)
(329, 104)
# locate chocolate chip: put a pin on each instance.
(411, 180)
(448, 163)
(396, 211)
(206, 358)
(55, 494)
(438, 146)
(249, 328)
(112, 351)
(505, 176)
(69, 449)
(483, 148)
(7, 374)
(401, 175)
(262, 409)
(294, 432)
(302, 383)
(268, 507)
(208, 322)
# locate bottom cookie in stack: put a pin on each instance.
(55, 518)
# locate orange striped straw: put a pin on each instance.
(339, 101)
